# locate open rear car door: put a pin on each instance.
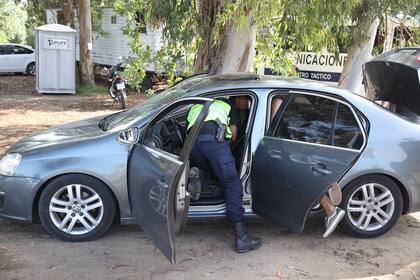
(289, 174)
(155, 177)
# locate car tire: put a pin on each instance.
(370, 215)
(30, 69)
(86, 217)
(122, 98)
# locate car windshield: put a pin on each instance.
(150, 105)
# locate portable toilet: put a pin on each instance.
(55, 59)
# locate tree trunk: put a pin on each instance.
(67, 15)
(389, 33)
(85, 33)
(234, 50)
(359, 53)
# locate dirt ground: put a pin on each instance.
(204, 251)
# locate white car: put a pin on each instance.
(17, 58)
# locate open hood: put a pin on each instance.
(394, 76)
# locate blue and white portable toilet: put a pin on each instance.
(55, 59)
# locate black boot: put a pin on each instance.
(243, 241)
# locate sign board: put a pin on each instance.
(56, 44)
(323, 66)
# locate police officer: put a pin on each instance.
(211, 150)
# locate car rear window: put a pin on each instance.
(21, 50)
(347, 133)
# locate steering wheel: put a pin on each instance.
(178, 130)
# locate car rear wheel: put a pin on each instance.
(30, 69)
(76, 208)
(373, 204)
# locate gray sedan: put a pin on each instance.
(77, 178)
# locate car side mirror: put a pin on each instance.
(129, 136)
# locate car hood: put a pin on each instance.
(68, 133)
(395, 77)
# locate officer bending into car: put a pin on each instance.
(211, 151)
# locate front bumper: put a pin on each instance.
(16, 197)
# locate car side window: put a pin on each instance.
(167, 133)
(20, 50)
(347, 133)
(307, 118)
(5, 49)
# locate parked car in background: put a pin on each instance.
(15, 58)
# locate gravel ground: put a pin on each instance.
(204, 251)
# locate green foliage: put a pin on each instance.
(178, 21)
(12, 22)
(36, 17)
(284, 27)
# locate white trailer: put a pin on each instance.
(107, 48)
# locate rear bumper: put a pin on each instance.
(16, 198)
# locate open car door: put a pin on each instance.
(290, 170)
(156, 176)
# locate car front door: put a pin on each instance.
(310, 144)
(156, 176)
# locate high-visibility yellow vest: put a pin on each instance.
(218, 110)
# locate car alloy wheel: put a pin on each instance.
(373, 204)
(76, 209)
(370, 207)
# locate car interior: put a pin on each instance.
(400, 110)
(169, 134)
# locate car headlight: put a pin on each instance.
(9, 163)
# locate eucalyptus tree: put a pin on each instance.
(365, 18)
(221, 36)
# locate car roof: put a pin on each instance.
(204, 82)
(14, 44)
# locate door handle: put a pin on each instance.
(321, 169)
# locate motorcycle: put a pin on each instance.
(117, 90)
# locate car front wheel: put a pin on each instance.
(76, 208)
(373, 204)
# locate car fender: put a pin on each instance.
(27, 62)
(86, 158)
(115, 190)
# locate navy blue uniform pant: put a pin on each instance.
(208, 153)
